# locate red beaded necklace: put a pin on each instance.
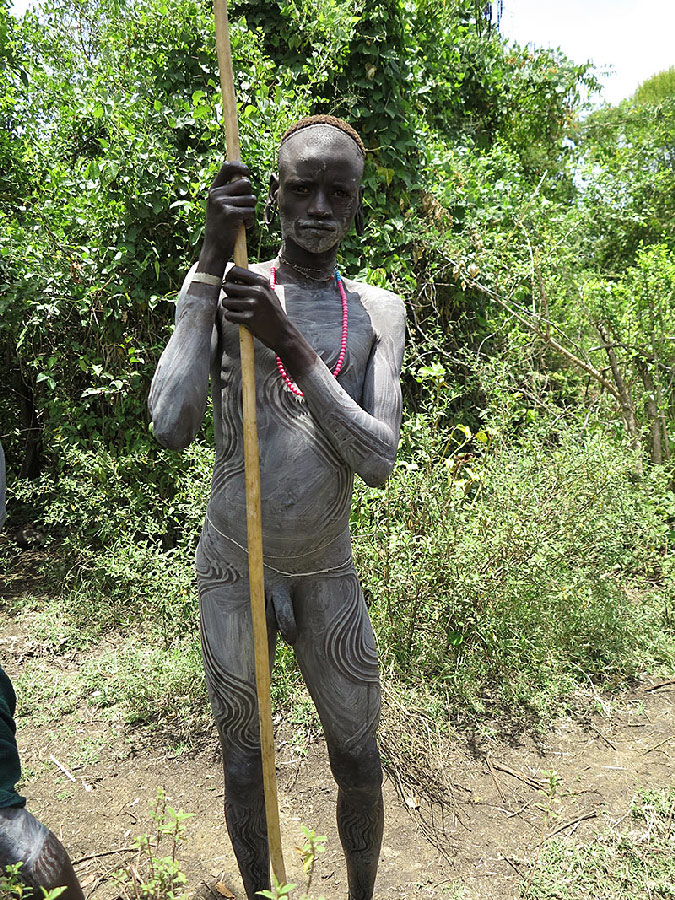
(291, 385)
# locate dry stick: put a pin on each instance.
(536, 783)
(252, 473)
(589, 815)
(494, 777)
(60, 765)
(77, 862)
(657, 746)
(661, 684)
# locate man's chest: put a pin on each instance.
(321, 321)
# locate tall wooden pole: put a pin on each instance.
(252, 472)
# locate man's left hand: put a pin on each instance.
(250, 301)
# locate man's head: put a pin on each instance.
(318, 188)
(334, 122)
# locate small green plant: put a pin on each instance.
(152, 876)
(11, 885)
(554, 781)
(313, 846)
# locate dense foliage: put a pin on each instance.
(113, 110)
(535, 252)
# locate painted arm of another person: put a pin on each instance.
(179, 390)
(365, 435)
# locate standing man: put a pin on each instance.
(328, 359)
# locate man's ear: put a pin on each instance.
(271, 204)
(359, 218)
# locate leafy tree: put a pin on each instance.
(635, 320)
(121, 134)
(628, 182)
(657, 88)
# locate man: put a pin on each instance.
(24, 839)
(328, 359)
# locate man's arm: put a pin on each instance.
(178, 395)
(365, 436)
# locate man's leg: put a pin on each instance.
(45, 863)
(338, 657)
(227, 651)
(360, 814)
(24, 839)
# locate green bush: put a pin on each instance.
(511, 571)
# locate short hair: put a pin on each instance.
(334, 122)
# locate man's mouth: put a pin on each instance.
(317, 225)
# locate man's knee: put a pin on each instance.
(357, 768)
(243, 774)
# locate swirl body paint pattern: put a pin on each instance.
(309, 453)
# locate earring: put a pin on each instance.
(359, 221)
(271, 210)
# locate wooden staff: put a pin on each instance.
(252, 472)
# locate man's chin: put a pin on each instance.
(317, 241)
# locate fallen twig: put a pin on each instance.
(76, 862)
(65, 771)
(518, 812)
(535, 783)
(661, 684)
(602, 736)
(88, 788)
(589, 815)
(494, 777)
(660, 744)
(514, 863)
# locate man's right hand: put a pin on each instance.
(230, 202)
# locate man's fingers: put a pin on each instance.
(228, 171)
(239, 318)
(237, 275)
(234, 304)
(244, 292)
(237, 193)
(240, 187)
(222, 197)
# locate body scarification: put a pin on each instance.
(309, 453)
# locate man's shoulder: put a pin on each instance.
(378, 301)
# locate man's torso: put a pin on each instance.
(305, 487)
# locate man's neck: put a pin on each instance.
(294, 263)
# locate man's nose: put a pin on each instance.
(319, 207)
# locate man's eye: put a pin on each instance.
(300, 189)
(341, 192)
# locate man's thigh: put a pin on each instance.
(227, 643)
(337, 654)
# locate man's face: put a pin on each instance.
(319, 192)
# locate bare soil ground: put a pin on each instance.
(93, 780)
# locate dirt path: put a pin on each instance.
(504, 798)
